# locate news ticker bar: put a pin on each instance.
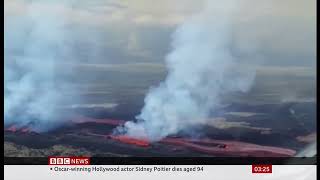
(160, 172)
(82, 161)
(171, 161)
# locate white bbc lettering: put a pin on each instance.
(53, 161)
(59, 160)
(66, 161)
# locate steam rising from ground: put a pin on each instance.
(48, 42)
(201, 68)
(31, 89)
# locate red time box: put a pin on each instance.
(262, 168)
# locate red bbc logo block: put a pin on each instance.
(262, 168)
(68, 161)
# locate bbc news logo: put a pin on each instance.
(69, 161)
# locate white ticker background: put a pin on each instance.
(209, 172)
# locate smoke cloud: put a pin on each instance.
(33, 45)
(201, 68)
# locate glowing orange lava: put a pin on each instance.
(15, 129)
(130, 140)
(214, 147)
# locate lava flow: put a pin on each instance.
(207, 146)
(15, 129)
(210, 146)
(130, 140)
(230, 148)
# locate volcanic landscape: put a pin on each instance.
(259, 133)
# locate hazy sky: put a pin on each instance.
(103, 36)
(283, 32)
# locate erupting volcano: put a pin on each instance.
(121, 100)
(204, 146)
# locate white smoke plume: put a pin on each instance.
(33, 45)
(201, 68)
